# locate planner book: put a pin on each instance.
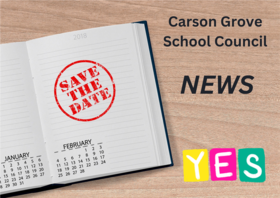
(78, 106)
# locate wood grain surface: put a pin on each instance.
(194, 121)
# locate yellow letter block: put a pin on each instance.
(195, 165)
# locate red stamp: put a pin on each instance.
(84, 90)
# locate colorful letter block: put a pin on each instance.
(195, 165)
(251, 163)
(223, 164)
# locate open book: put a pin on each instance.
(78, 106)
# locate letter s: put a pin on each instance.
(169, 42)
(259, 170)
(64, 86)
(246, 84)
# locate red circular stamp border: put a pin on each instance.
(114, 90)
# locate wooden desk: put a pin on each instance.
(195, 121)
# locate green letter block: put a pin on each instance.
(251, 163)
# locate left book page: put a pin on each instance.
(24, 162)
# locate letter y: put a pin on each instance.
(196, 162)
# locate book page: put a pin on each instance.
(153, 97)
(91, 101)
(24, 161)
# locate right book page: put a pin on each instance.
(152, 91)
(92, 103)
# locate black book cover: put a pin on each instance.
(53, 186)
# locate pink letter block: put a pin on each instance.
(223, 164)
